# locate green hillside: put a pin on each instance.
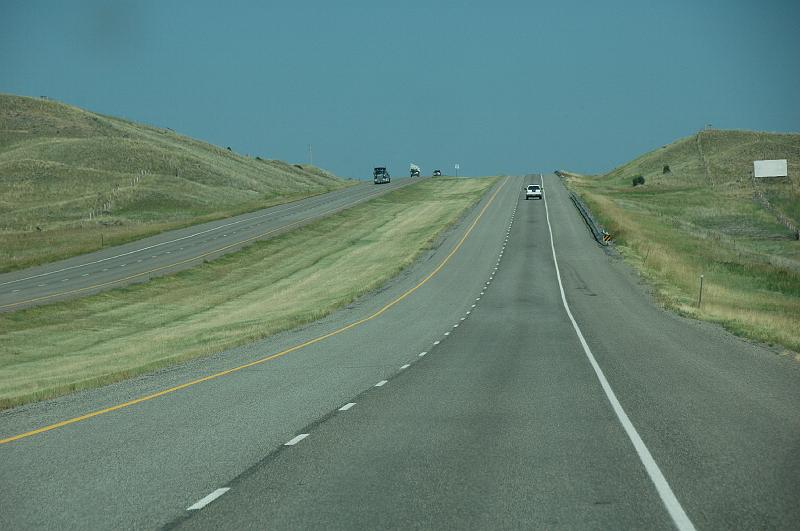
(705, 215)
(71, 179)
(723, 161)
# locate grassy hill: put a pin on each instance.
(704, 215)
(70, 178)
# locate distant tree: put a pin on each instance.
(638, 180)
(666, 169)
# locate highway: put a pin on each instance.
(171, 251)
(517, 376)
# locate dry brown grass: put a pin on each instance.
(682, 225)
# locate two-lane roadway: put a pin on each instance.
(171, 251)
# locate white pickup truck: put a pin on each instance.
(533, 191)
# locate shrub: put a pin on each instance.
(638, 180)
(666, 169)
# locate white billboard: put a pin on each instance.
(770, 168)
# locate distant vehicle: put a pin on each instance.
(437, 173)
(533, 191)
(414, 170)
(380, 176)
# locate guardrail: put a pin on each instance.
(599, 233)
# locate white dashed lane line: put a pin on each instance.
(381, 383)
(208, 499)
(436, 342)
(347, 406)
(406, 366)
(85, 275)
(421, 354)
(296, 439)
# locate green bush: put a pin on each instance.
(638, 180)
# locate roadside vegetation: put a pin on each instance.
(697, 212)
(72, 181)
(272, 286)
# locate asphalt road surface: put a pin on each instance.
(171, 251)
(470, 394)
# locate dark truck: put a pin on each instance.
(380, 176)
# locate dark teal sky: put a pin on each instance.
(500, 87)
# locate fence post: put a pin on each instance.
(700, 299)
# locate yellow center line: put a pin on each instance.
(187, 260)
(266, 358)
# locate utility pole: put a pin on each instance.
(311, 154)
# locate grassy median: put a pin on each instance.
(269, 287)
(696, 215)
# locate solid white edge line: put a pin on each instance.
(347, 406)
(296, 439)
(673, 506)
(208, 499)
